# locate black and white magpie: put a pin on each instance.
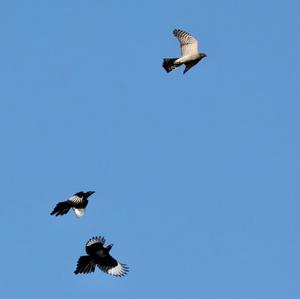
(99, 256)
(77, 202)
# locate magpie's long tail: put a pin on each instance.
(169, 65)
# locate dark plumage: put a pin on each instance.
(99, 256)
(77, 202)
(168, 64)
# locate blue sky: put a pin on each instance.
(196, 176)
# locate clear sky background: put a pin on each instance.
(196, 176)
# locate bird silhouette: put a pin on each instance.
(190, 55)
(77, 202)
(99, 256)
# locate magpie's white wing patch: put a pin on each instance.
(75, 200)
(79, 212)
(95, 240)
(119, 270)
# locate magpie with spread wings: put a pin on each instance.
(99, 256)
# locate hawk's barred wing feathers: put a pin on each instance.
(188, 44)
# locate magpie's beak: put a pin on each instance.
(90, 193)
(109, 247)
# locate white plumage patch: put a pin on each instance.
(119, 270)
(75, 199)
(79, 212)
(188, 44)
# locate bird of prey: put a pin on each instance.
(77, 202)
(190, 55)
(99, 256)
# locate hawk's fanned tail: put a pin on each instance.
(168, 64)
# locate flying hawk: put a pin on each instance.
(77, 202)
(190, 55)
(99, 256)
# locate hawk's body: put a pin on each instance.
(190, 55)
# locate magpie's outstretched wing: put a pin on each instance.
(111, 266)
(85, 264)
(61, 208)
(94, 244)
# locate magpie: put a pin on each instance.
(77, 202)
(99, 256)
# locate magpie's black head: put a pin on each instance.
(79, 194)
(109, 247)
(89, 193)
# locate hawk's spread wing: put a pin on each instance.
(188, 44)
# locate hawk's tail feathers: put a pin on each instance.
(168, 64)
